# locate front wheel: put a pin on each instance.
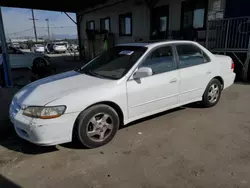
(39, 62)
(212, 94)
(97, 126)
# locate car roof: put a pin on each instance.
(154, 43)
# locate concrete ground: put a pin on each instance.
(187, 147)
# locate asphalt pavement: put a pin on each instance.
(186, 147)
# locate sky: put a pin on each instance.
(17, 23)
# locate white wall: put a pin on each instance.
(140, 17)
(140, 23)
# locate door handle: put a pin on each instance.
(173, 81)
(209, 72)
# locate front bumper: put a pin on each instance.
(43, 132)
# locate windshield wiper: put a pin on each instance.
(96, 75)
(89, 72)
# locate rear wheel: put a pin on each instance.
(212, 94)
(97, 126)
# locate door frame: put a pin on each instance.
(152, 11)
(192, 6)
(135, 67)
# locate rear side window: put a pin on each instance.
(190, 55)
(160, 60)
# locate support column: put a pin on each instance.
(5, 56)
(80, 43)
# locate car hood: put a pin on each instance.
(54, 87)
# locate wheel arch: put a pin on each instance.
(220, 79)
(115, 106)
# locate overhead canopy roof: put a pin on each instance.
(63, 6)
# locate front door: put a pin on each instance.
(159, 22)
(18, 59)
(158, 92)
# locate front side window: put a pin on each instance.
(125, 24)
(114, 63)
(189, 55)
(160, 60)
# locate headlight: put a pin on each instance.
(44, 112)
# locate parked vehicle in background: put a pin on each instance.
(38, 48)
(60, 47)
(56, 47)
(15, 45)
(124, 84)
(24, 46)
(20, 59)
(73, 48)
(49, 48)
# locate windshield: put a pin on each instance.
(114, 63)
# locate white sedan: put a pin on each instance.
(38, 48)
(125, 83)
(20, 59)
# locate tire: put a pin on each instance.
(97, 126)
(39, 62)
(212, 94)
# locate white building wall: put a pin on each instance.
(140, 23)
(141, 17)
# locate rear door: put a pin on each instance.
(195, 72)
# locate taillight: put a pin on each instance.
(232, 65)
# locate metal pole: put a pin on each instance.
(5, 56)
(246, 64)
(207, 34)
(34, 23)
(228, 24)
(47, 20)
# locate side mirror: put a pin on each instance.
(143, 72)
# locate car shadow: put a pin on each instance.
(153, 117)
(77, 145)
(5, 183)
(242, 83)
(10, 140)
